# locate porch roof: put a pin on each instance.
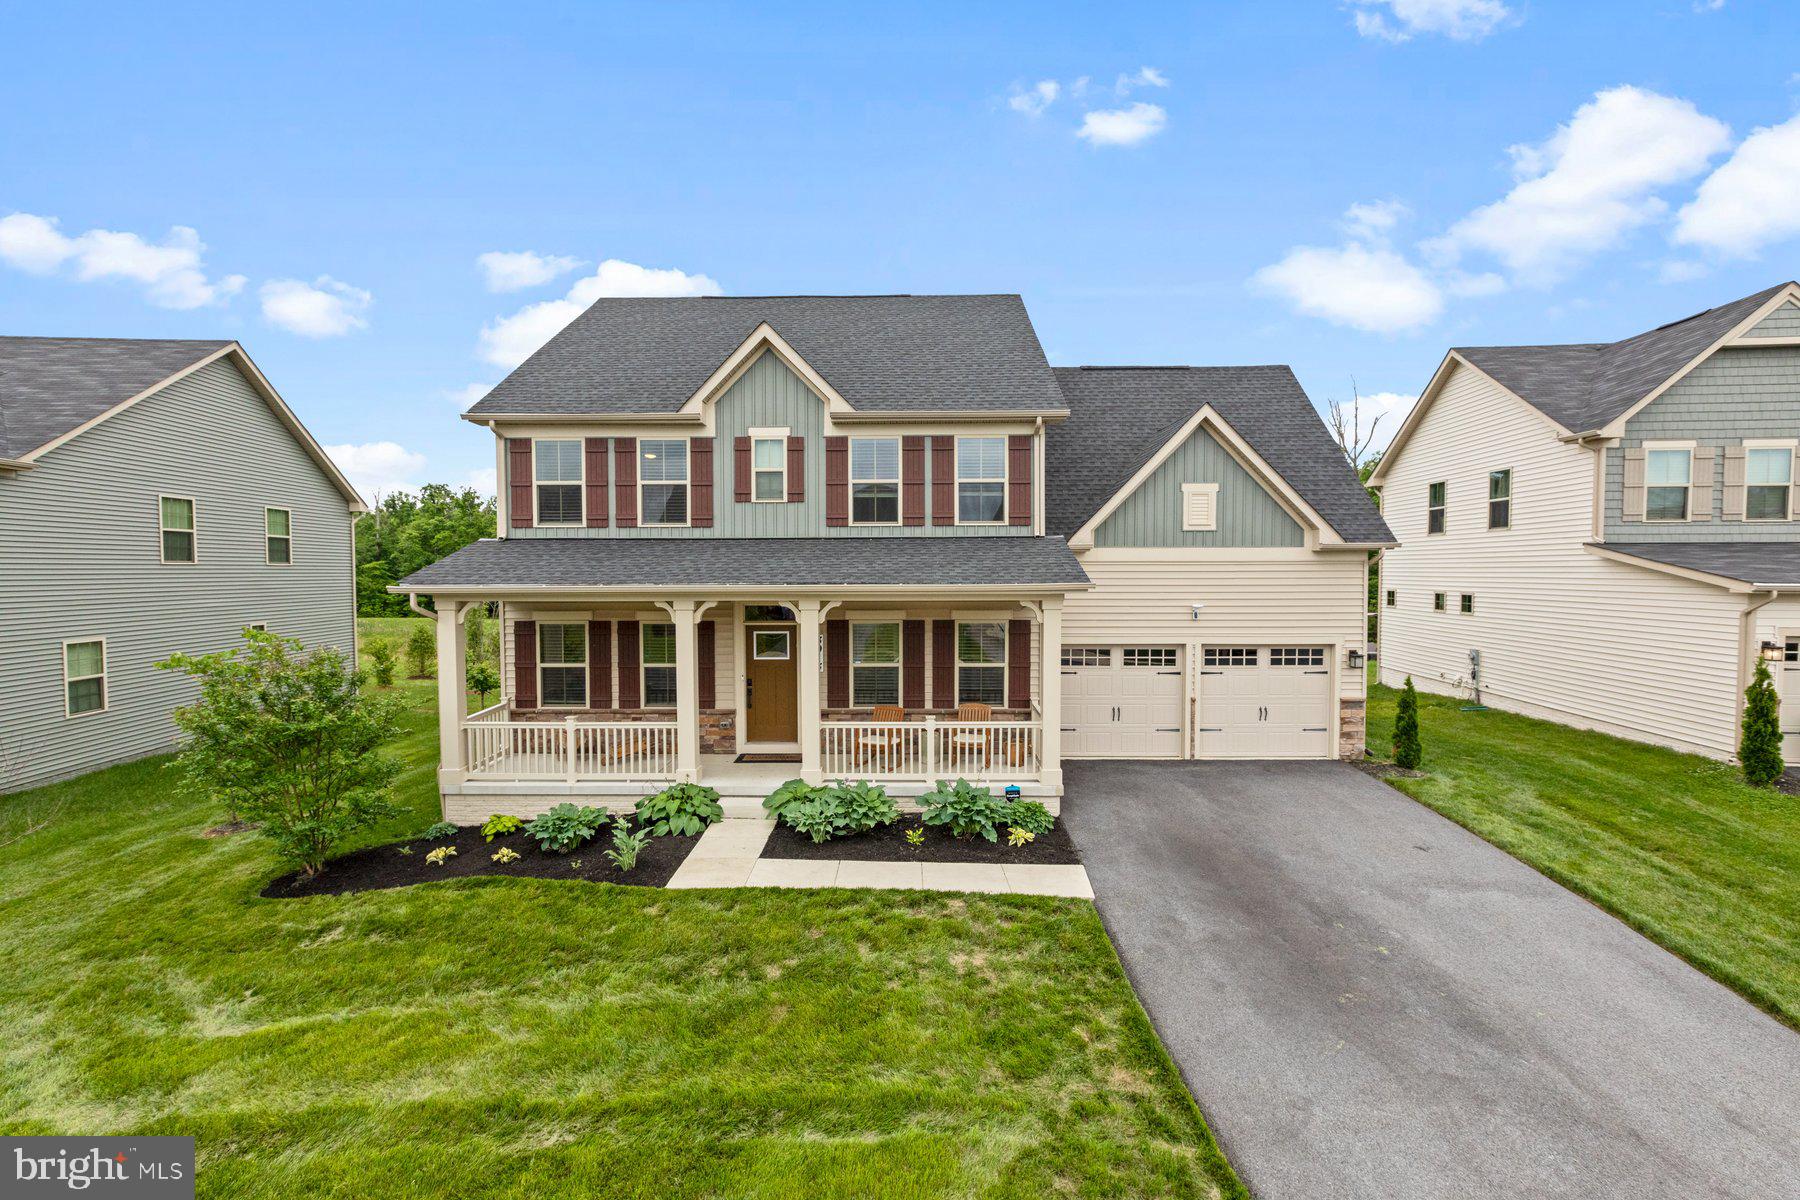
(1756, 565)
(506, 564)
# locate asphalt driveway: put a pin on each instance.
(1367, 1000)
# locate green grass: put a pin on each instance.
(1675, 845)
(530, 1038)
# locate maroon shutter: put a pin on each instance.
(518, 480)
(943, 664)
(700, 482)
(595, 451)
(625, 481)
(705, 662)
(837, 664)
(912, 664)
(1018, 664)
(630, 694)
(1018, 479)
(837, 481)
(740, 461)
(943, 481)
(599, 664)
(525, 664)
(796, 472)
(912, 481)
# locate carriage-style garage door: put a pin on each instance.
(1122, 701)
(1265, 702)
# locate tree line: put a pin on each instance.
(410, 530)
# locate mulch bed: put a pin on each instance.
(1384, 770)
(888, 844)
(387, 867)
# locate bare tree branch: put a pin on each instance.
(1347, 429)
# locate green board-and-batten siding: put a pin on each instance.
(1247, 514)
(80, 559)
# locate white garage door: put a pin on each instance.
(1122, 701)
(1265, 702)
(1789, 684)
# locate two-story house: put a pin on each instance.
(1606, 534)
(748, 538)
(155, 497)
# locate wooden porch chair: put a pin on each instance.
(967, 742)
(881, 743)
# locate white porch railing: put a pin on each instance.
(931, 749)
(496, 747)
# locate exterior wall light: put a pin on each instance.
(1356, 660)
(1771, 651)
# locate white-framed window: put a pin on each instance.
(772, 645)
(1500, 499)
(981, 662)
(1199, 507)
(562, 665)
(176, 521)
(259, 626)
(1668, 474)
(1086, 656)
(875, 481)
(1230, 656)
(659, 666)
(558, 475)
(1468, 603)
(1296, 656)
(768, 468)
(980, 480)
(1391, 597)
(874, 663)
(84, 677)
(1150, 656)
(278, 536)
(1768, 481)
(1434, 507)
(663, 481)
(1437, 601)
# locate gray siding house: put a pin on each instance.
(155, 496)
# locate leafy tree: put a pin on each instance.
(1407, 751)
(483, 679)
(1760, 748)
(483, 637)
(289, 741)
(421, 649)
(407, 531)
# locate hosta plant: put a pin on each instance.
(789, 794)
(839, 810)
(440, 831)
(499, 825)
(1017, 836)
(564, 827)
(967, 810)
(505, 854)
(683, 809)
(628, 843)
(1029, 815)
(441, 855)
(915, 836)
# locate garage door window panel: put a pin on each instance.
(1231, 656)
(1086, 656)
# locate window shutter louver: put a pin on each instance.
(631, 673)
(837, 664)
(943, 664)
(700, 482)
(1018, 479)
(837, 481)
(1018, 664)
(706, 663)
(796, 469)
(912, 668)
(943, 481)
(740, 470)
(599, 664)
(595, 452)
(1794, 484)
(1632, 500)
(518, 479)
(1700, 494)
(1733, 507)
(912, 480)
(525, 693)
(625, 482)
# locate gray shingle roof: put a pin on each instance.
(1762, 564)
(1120, 416)
(48, 386)
(890, 353)
(748, 562)
(1583, 387)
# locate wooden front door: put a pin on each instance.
(771, 684)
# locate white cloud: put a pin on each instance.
(484, 480)
(509, 341)
(170, 271)
(466, 396)
(1376, 218)
(1367, 287)
(510, 270)
(378, 468)
(326, 307)
(1034, 100)
(1752, 200)
(1123, 126)
(1145, 77)
(1392, 409)
(1459, 20)
(1703, 6)
(1593, 181)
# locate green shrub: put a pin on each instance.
(499, 825)
(1407, 751)
(968, 810)
(1760, 748)
(1029, 815)
(683, 809)
(482, 679)
(833, 810)
(794, 791)
(421, 650)
(442, 829)
(628, 843)
(381, 661)
(564, 827)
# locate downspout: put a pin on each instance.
(1745, 635)
(412, 602)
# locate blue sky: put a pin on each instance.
(1346, 187)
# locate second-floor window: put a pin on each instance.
(278, 536)
(980, 480)
(558, 478)
(663, 480)
(768, 469)
(1768, 479)
(874, 663)
(1434, 509)
(562, 665)
(1667, 475)
(875, 481)
(177, 519)
(1500, 499)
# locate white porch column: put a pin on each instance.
(806, 612)
(452, 688)
(687, 689)
(1050, 677)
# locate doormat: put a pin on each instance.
(767, 758)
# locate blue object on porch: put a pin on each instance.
(1013, 792)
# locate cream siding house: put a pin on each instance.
(1573, 528)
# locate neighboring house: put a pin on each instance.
(155, 497)
(1606, 535)
(879, 537)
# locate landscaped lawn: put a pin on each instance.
(1675, 845)
(528, 1038)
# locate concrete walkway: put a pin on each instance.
(728, 855)
(1368, 1000)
